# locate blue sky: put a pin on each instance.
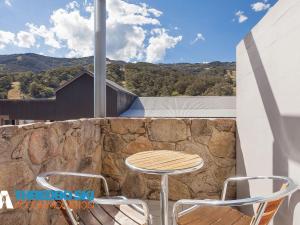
(138, 30)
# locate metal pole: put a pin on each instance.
(164, 197)
(100, 59)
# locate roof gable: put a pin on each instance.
(109, 83)
(85, 73)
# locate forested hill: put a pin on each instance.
(37, 63)
(38, 76)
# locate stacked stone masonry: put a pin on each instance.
(101, 146)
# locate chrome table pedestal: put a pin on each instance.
(164, 163)
(164, 197)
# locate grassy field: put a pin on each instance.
(14, 92)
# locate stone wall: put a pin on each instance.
(213, 140)
(29, 150)
(101, 146)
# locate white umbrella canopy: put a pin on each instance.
(100, 58)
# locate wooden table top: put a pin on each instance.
(164, 161)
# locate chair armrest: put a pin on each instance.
(292, 187)
(44, 177)
(238, 179)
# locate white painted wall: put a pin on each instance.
(268, 103)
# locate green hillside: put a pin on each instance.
(39, 76)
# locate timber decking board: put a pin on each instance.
(118, 216)
(132, 213)
(214, 216)
(111, 215)
(102, 216)
(87, 218)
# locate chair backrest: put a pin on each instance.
(266, 211)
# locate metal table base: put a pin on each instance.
(133, 163)
(164, 200)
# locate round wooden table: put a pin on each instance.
(164, 163)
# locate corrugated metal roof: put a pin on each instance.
(184, 106)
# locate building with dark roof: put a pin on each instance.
(75, 99)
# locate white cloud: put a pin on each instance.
(125, 31)
(126, 34)
(6, 38)
(8, 2)
(72, 5)
(128, 44)
(159, 43)
(126, 13)
(199, 37)
(48, 35)
(25, 39)
(72, 29)
(241, 16)
(260, 6)
(155, 12)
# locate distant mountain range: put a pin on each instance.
(38, 63)
(38, 76)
